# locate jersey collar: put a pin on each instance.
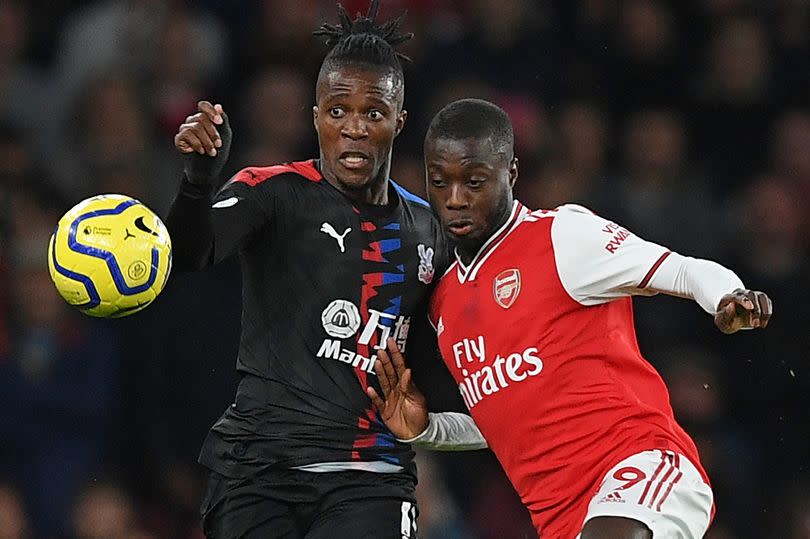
(469, 272)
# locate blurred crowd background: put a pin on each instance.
(687, 121)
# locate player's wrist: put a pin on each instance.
(202, 174)
(205, 170)
(191, 189)
(423, 433)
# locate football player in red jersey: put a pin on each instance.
(535, 323)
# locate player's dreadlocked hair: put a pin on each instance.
(474, 118)
(363, 41)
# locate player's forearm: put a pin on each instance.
(702, 280)
(450, 431)
(191, 228)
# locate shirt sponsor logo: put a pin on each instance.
(506, 287)
(480, 382)
(426, 270)
(617, 236)
(341, 319)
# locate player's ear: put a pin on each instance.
(513, 171)
(401, 117)
(315, 117)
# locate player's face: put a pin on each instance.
(357, 116)
(469, 185)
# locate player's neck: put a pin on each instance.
(466, 254)
(373, 194)
(467, 250)
(376, 194)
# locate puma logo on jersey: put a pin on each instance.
(328, 229)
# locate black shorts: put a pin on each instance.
(293, 504)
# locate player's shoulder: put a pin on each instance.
(415, 202)
(563, 211)
(565, 223)
(446, 286)
(546, 216)
(573, 209)
(295, 171)
(424, 218)
(570, 215)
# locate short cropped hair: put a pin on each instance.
(474, 118)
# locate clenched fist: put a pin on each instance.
(743, 309)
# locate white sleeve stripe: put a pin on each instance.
(646, 280)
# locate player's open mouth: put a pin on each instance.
(460, 227)
(353, 160)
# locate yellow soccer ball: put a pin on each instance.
(110, 256)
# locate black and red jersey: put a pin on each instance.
(325, 281)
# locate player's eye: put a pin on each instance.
(375, 115)
(337, 112)
(437, 182)
(475, 183)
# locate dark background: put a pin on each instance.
(686, 121)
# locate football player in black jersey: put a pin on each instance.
(336, 258)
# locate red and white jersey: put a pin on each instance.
(538, 333)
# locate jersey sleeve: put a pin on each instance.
(598, 260)
(239, 209)
(704, 281)
(450, 431)
(207, 227)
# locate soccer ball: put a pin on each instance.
(110, 256)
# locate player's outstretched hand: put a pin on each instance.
(401, 406)
(204, 139)
(743, 309)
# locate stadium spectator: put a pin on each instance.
(104, 510)
(58, 381)
(14, 522)
(275, 112)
